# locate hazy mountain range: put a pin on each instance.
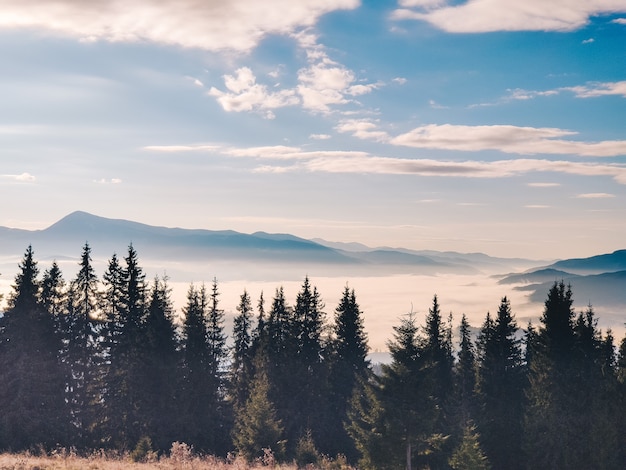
(275, 255)
(106, 236)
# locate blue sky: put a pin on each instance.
(488, 125)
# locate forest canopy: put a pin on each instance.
(104, 361)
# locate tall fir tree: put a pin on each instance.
(567, 391)
(438, 362)
(410, 407)
(309, 377)
(349, 367)
(500, 382)
(32, 402)
(241, 367)
(465, 377)
(257, 426)
(125, 423)
(83, 349)
(161, 374)
(220, 417)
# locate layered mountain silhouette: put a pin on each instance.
(65, 239)
(600, 279)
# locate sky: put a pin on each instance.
(493, 126)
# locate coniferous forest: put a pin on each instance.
(105, 362)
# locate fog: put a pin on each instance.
(383, 299)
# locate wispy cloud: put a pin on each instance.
(506, 138)
(108, 181)
(543, 185)
(588, 41)
(595, 196)
(319, 136)
(619, 20)
(589, 90)
(22, 178)
(280, 159)
(181, 148)
(537, 206)
(236, 25)
(595, 89)
(480, 16)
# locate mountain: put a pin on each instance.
(65, 238)
(600, 279)
(598, 289)
(538, 276)
(615, 261)
(70, 233)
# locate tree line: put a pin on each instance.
(106, 363)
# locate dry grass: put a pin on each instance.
(181, 458)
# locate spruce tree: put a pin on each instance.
(465, 376)
(436, 354)
(160, 402)
(348, 367)
(218, 354)
(567, 392)
(53, 295)
(499, 385)
(123, 382)
(83, 353)
(241, 367)
(410, 407)
(309, 379)
(257, 426)
(32, 402)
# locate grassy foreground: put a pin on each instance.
(181, 457)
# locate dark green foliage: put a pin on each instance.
(256, 424)
(348, 367)
(367, 426)
(500, 382)
(572, 387)
(241, 367)
(32, 406)
(88, 368)
(142, 450)
(469, 455)
(82, 354)
(465, 375)
(160, 399)
(306, 452)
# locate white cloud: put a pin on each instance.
(319, 136)
(506, 138)
(180, 148)
(589, 90)
(215, 25)
(588, 41)
(363, 129)
(595, 196)
(619, 21)
(480, 16)
(22, 178)
(399, 80)
(544, 185)
(323, 84)
(245, 94)
(595, 89)
(537, 206)
(108, 181)
(287, 158)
